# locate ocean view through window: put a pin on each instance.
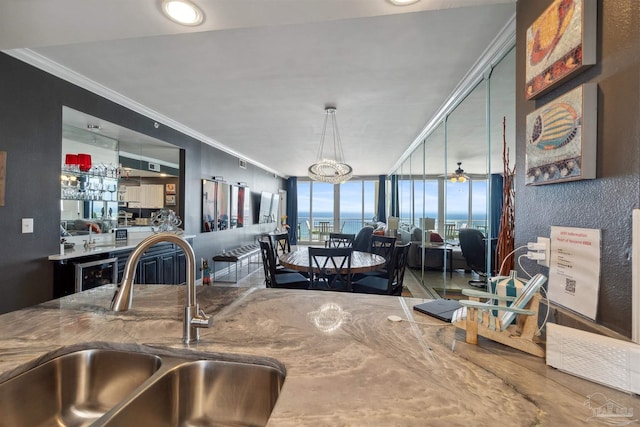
(348, 207)
(342, 208)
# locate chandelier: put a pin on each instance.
(326, 169)
(458, 175)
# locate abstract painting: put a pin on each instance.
(561, 138)
(560, 43)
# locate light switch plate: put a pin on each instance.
(27, 225)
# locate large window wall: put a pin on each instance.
(471, 133)
(324, 208)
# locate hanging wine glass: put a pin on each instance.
(111, 188)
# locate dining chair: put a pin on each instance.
(450, 232)
(284, 280)
(330, 268)
(281, 244)
(312, 231)
(383, 246)
(341, 240)
(325, 228)
(391, 285)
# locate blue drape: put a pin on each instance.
(292, 209)
(496, 203)
(394, 209)
(382, 200)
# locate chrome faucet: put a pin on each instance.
(88, 244)
(194, 318)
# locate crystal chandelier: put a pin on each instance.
(458, 175)
(333, 170)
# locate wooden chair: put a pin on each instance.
(477, 318)
(330, 268)
(383, 246)
(284, 280)
(340, 240)
(280, 244)
(393, 283)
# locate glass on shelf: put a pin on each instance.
(103, 170)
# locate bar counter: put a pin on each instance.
(346, 363)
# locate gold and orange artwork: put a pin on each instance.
(555, 44)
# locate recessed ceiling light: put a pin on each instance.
(403, 2)
(183, 12)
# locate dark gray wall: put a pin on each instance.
(604, 203)
(30, 132)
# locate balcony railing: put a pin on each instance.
(320, 227)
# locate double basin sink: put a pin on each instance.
(142, 387)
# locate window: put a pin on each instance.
(304, 209)
(340, 208)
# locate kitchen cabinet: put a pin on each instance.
(145, 196)
(158, 269)
(164, 264)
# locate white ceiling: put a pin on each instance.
(255, 77)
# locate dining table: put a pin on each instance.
(361, 262)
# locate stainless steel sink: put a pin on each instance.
(154, 387)
(74, 389)
(205, 393)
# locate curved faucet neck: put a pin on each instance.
(123, 298)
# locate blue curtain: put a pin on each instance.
(495, 204)
(292, 209)
(394, 209)
(382, 200)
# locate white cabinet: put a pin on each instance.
(152, 196)
(145, 196)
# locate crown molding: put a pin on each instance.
(45, 64)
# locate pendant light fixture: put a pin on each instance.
(330, 169)
(458, 175)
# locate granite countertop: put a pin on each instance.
(103, 246)
(346, 363)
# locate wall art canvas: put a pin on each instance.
(562, 138)
(561, 42)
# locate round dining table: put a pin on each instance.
(361, 262)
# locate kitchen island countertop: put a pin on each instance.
(346, 363)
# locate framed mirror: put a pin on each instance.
(268, 207)
(122, 178)
(239, 206)
(224, 206)
(215, 206)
